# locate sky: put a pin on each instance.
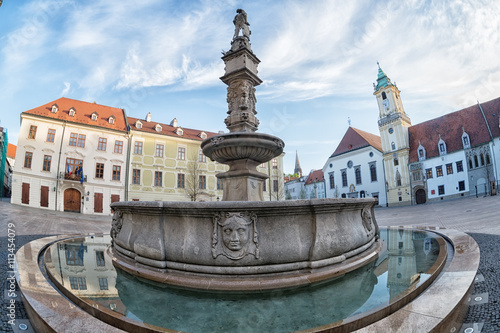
(318, 61)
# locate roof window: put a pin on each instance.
(72, 112)
(94, 116)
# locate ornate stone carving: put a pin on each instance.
(116, 225)
(366, 217)
(235, 235)
(217, 140)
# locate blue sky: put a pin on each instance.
(319, 61)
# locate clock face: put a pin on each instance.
(385, 103)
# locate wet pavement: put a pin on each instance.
(478, 217)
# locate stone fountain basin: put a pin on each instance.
(228, 147)
(290, 242)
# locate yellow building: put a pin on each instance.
(167, 163)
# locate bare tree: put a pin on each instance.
(193, 174)
(278, 187)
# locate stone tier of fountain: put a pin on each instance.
(243, 243)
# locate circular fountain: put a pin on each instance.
(243, 242)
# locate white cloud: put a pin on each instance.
(67, 87)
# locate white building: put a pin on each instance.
(315, 185)
(71, 156)
(295, 189)
(355, 169)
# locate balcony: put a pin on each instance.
(72, 176)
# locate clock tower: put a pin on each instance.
(393, 125)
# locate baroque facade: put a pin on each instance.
(78, 156)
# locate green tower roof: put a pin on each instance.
(382, 79)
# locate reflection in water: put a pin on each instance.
(82, 267)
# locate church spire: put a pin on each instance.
(382, 79)
(298, 169)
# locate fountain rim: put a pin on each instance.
(464, 263)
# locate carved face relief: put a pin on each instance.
(366, 216)
(239, 235)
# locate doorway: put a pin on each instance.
(72, 200)
(420, 196)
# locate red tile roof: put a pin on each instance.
(11, 150)
(315, 176)
(83, 113)
(449, 127)
(150, 127)
(355, 139)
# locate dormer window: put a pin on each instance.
(55, 108)
(421, 152)
(111, 120)
(72, 112)
(158, 128)
(138, 124)
(94, 116)
(203, 135)
(441, 147)
(179, 131)
(465, 140)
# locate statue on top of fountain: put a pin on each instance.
(240, 24)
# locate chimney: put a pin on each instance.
(173, 123)
(148, 117)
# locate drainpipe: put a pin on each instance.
(129, 145)
(59, 163)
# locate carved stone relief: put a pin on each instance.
(366, 218)
(235, 235)
(116, 225)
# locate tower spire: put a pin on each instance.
(298, 169)
(382, 79)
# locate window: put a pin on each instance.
(416, 176)
(103, 283)
(470, 163)
(476, 163)
(138, 148)
(449, 169)
(99, 258)
(460, 167)
(136, 176)
(275, 185)
(75, 254)
(421, 152)
(72, 139)
(158, 128)
(461, 185)
(159, 150)
(73, 166)
(344, 178)
(118, 147)
(442, 147)
(180, 180)
(81, 141)
(181, 153)
(47, 159)
(94, 116)
(465, 141)
(32, 133)
(203, 135)
(54, 108)
(441, 189)
(78, 283)
(373, 172)
(51, 134)
(99, 170)
(179, 131)
(357, 173)
(275, 163)
(117, 170)
(488, 158)
(391, 130)
(428, 173)
(28, 157)
(384, 96)
(220, 184)
(201, 156)
(111, 120)
(332, 181)
(158, 178)
(393, 146)
(72, 112)
(396, 161)
(482, 159)
(102, 144)
(398, 178)
(203, 182)
(439, 171)
(138, 124)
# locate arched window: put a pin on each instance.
(482, 159)
(357, 173)
(393, 146)
(488, 158)
(373, 172)
(384, 96)
(470, 164)
(398, 178)
(344, 179)
(332, 181)
(396, 161)
(476, 163)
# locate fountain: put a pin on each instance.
(243, 242)
(319, 265)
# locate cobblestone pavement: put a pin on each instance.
(479, 217)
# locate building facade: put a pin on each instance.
(356, 168)
(5, 165)
(315, 185)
